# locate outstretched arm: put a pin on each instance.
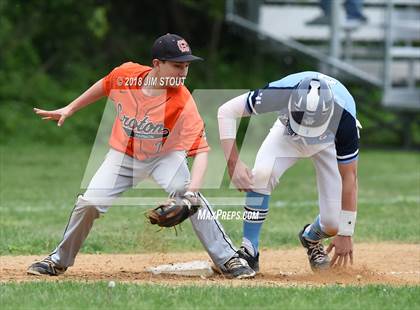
(349, 180)
(94, 93)
(235, 108)
(343, 242)
(239, 172)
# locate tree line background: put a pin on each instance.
(51, 51)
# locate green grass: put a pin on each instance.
(39, 184)
(44, 295)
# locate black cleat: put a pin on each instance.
(253, 261)
(238, 268)
(46, 267)
(318, 258)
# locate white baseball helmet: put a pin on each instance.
(311, 106)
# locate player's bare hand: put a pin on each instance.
(59, 115)
(343, 251)
(241, 176)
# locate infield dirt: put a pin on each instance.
(381, 263)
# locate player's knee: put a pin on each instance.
(329, 225)
(89, 206)
(264, 179)
(177, 186)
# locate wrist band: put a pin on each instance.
(347, 223)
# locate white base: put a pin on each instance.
(191, 269)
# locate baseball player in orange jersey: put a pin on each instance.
(157, 126)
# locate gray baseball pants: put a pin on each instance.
(120, 172)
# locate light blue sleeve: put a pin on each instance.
(292, 80)
(341, 95)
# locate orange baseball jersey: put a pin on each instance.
(146, 126)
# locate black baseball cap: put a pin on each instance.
(172, 47)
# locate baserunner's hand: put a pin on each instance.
(343, 252)
(241, 176)
(59, 115)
